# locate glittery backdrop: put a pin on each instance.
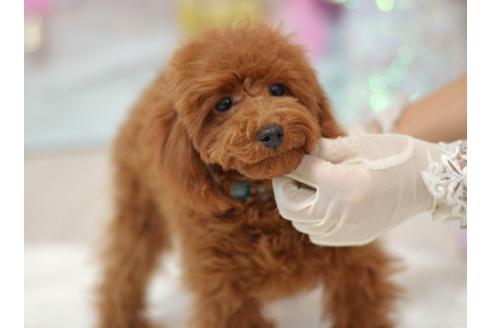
(384, 50)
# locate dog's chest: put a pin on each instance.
(268, 239)
(270, 257)
(255, 246)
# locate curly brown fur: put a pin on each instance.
(176, 158)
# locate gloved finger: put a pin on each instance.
(340, 240)
(351, 235)
(337, 150)
(292, 200)
(344, 234)
(330, 222)
(310, 171)
(318, 227)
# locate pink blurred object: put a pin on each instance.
(308, 19)
(36, 6)
(35, 13)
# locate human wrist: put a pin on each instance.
(424, 154)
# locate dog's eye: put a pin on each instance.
(277, 90)
(223, 104)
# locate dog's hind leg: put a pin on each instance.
(137, 238)
(358, 291)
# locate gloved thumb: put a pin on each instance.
(337, 150)
(310, 170)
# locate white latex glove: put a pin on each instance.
(361, 187)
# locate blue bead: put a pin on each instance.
(240, 190)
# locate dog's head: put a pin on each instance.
(248, 100)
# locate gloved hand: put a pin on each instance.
(355, 188)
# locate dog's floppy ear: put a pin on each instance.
(328, 124)
(178, 163)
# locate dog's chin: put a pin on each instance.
(273, 166)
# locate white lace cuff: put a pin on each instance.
(446, 181)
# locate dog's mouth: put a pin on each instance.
(279, 155)
(275, 165)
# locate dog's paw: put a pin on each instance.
(383, 324)
(267, 324)
(149, 324)
(141, 323)
(261, 323)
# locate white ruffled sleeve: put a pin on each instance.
(446, 181)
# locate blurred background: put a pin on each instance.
(86, 61)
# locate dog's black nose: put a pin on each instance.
(271, 136)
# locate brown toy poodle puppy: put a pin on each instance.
(234, 108)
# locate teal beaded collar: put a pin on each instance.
(241, 189)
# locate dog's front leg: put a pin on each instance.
(359, 293)
(136, 239)
(221, 296)
(227, 311)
